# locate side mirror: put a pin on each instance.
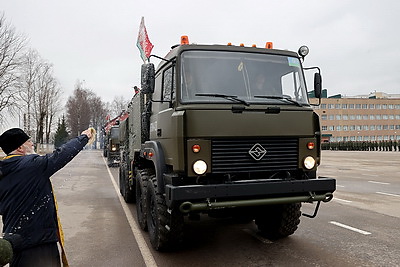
(148, 78)
(317, 85)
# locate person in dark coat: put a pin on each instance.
(27, 202)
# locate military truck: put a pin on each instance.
(222, 130)
(111, 139)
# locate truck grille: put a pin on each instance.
(232, 156)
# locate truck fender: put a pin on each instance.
(152, 150)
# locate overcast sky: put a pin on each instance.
(355, 43)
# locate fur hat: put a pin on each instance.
(12, 139)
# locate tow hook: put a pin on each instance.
(312, 196)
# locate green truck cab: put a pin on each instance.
(111, 146)
(224, 131)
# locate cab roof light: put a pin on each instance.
(184, 40)
(242, 45)
(253, 45)
(229, 44)
(269, 45)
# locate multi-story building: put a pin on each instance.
(374, 117)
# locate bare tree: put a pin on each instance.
(98, 112)
(78, 110)
(28, 79)
(11, 50)
(118, 105)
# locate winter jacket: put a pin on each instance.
(26, 195)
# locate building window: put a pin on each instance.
(358, 127)
(378, 127)
(338, 117)
(391, 106)
(345, 117)
(380, 138)
(352, 127)
(391, 127)
(371, 106)
(397, 106)
(385, 117)
(352, 138)
(372, 117)
(365, 106)
(338, 128)
(323, 106)
(378, 117)
(346, 127)
(331, 128)
(397, 127)
(324, 128)
(358, 106)
(323, 117)
(359, 138)
(331, 106)
(344, 106)
(366, 138)
(372, 127)
(378, 106)
(391, 117)
(358, 117)
(365, 117)
(351, 106)
(331, 117)
(391, 137)
(397, 117)
(352, 117)
(397, 137)
(337, 106)
(365, 127)
(373, 137)
(385, 127)
(384, 106)
(386, 138)
(339, 138)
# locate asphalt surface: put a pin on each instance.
(359, 227)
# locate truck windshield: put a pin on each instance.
(247, 78)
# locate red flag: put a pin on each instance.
(143, 42)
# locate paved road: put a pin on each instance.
(360, 227)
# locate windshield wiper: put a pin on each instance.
(233, 98)
(280, 98)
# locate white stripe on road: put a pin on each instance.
(375, 182)
(388, 194)
(339, 185)
(350, 228)
(343, 200)
(144, 249)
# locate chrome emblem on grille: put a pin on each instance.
(257, 152)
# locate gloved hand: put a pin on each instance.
(6, 252)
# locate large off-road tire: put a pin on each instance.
(141, 193)
(279, 221)
(127, 191)
(165, 226)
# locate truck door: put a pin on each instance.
(164, 123)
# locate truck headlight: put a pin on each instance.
(113, 148)
(309, 162)
(200, 167)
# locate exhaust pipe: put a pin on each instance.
(188, 206)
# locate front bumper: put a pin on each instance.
(253, 192)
